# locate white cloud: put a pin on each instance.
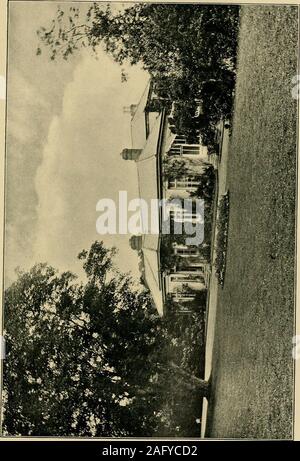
(81, 163)
(74, 131)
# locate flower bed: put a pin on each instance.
(222, 238)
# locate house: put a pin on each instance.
(153, 144)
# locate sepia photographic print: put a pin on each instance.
(149, 278)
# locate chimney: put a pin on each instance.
(131, 154)
(135, 242)
(130, 109)
(133, 108)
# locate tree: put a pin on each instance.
(206, 187)
(82, 357)
(165, 39)
(189, 51)
(173, 168)
(134, 34)
(186, 122)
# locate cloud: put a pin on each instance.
(64, 135)
(35, 88)
(81, 163)
(26, 104)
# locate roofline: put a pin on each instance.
(160, 196)
(146, 89)
(159, 186)
(158, 156)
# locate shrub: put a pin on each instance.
(187, 122)
(206, 74)
(206, 187)
(222, 238)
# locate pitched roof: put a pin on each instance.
(138, 121)
(149, 189)
(152, 277)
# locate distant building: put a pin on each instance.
(152, 142)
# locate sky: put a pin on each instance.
(65, 131)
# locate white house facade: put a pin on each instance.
(153, 143)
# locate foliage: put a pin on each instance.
(185, 120)
(189, 333)
(168, 259)
(200, 299)
(82, 357)
(208, 222)
(222, 237)
(188, 50)
(206, 191)
(173, 168)
(206, 187)
(189, 349)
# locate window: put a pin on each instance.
(175, 150)
(182, 295)
(180, 139)
(190, 149)
(199, 269)
(184, 309)
(179, 148)
(172, 184)
(186, 182)
(187, 278)
(182, 215)
(188, 251)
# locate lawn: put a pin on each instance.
(252, 373)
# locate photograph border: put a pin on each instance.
(4, 8)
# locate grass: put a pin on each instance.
(252, 374)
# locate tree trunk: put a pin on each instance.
(186, 381)
(191, 382)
